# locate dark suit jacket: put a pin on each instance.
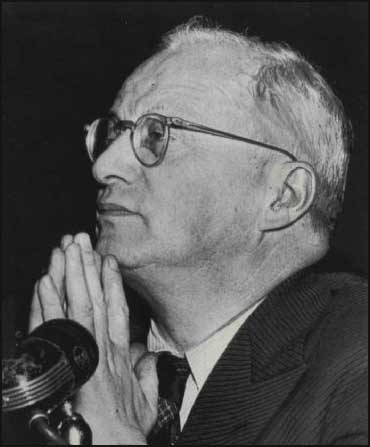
(295, 373)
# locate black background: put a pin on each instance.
(63, 62)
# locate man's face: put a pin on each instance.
(201, 202)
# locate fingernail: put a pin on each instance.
(83, 240)
(112, 263)
(46, 282)
(55, 253)
(73, 250)
(66, 240)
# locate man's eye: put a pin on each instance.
(155, 134)
(155, 131)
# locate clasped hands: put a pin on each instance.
(120, 401)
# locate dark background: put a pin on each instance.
(63, 62)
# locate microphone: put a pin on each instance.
(49, 367)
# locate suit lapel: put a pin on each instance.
(231, 407)
(258, 370)
(215, 412)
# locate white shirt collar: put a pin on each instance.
(201, 358)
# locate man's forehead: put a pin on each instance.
(169, 83)
(142, 83)
(171, 99)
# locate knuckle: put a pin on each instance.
(87, 313)
(57, 252)
(85, 309)
(36, 286)
(97, 257)
(99, 302)
(55, 257)
(89, 258)
(53, 253)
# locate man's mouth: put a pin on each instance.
(112, 209)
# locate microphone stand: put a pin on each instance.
(49, 366)
(71, 430)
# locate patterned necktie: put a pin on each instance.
(172, 375)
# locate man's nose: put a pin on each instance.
(117, 161)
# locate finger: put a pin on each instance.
(93, 286)
(137, 350)
(146, 373)
(57, 273)
(49, 299)
(117, 309)
(89, 259)
(79, 303)
(36, 317)
(98, 259)
(98, 263)
(66, 240)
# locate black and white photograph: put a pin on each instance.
(184, 223)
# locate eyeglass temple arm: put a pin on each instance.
(125, 124)
(187, 125)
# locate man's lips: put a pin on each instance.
(112, 209)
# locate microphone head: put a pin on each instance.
(49, 366)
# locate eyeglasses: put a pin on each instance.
(150, 136)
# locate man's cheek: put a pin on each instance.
(198, 218)
(181, 222)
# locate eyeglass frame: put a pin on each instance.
(177, 123)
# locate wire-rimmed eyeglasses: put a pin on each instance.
(150, 136)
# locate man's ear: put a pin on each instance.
(290, 193)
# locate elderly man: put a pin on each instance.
(222, 167)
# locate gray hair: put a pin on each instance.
(290, 92)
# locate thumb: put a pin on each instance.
(137, 350)
(146, 373)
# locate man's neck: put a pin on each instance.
(190, 305)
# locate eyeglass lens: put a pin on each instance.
(149, 138)
(105, 132)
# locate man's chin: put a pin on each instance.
(128, 258)
(105, 246)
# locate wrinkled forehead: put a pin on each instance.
(195, 85)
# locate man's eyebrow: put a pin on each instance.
(154, 109)
(114, 116)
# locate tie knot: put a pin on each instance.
(172, 375)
